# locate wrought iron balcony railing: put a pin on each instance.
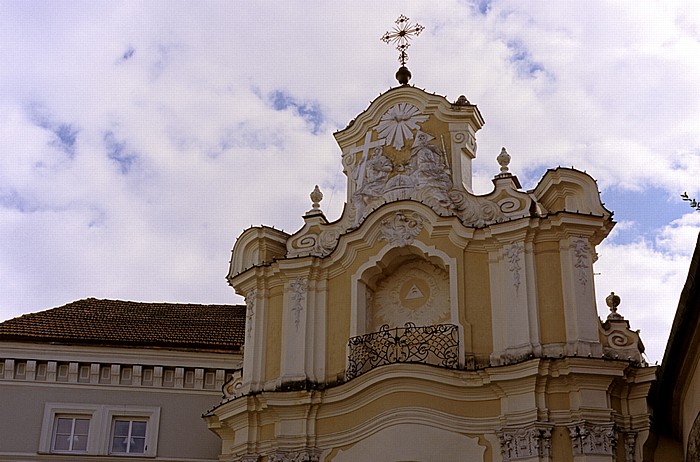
(437, 345)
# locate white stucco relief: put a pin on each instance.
(298, 294)
(513, 256)
(250, 310)
(525, 443)
(593, 439)
(581, 260)
(424, 176)
(403, 158)
(401, 229)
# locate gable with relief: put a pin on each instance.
(406, 155)
(417, 292)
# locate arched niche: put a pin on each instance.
(693, 449)
(415, 443)
(387, 266)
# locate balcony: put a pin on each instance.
(435, 345)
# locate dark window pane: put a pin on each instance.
(137, 445)
(138, 428)
(121, 428)
(81, 426)
(119, 444)
(79, 443)
(62, 443)
(64, 426)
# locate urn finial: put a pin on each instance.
(613, 301)
(503, 160)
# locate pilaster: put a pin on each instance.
(514, 300)
(581, 318)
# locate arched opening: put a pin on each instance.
(405, 300)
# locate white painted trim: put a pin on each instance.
(117, 355)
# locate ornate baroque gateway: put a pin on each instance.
(428, 323)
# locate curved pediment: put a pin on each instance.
(570, 190)
(409, 144)
(257, 246)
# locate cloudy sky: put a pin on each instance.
(138, 139)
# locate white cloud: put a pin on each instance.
(648, 276)
(611, 92)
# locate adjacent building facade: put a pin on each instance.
(107, 379)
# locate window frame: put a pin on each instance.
(72, 436)
(150, 415)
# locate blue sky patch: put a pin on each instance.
(524, 64)
(118, 152)
(310, 112)
(482, 6)
(650, 210)
(128, 53)
(65, 134)
(11, 199)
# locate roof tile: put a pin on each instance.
(125, 323)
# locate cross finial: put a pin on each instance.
(400, 35)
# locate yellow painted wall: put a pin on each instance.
(337, 325)
(549, 292)
(476, 307)
(273, 333)
(562, 450)
(393, 401)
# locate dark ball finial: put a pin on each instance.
(403, 75)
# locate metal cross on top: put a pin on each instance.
(400, 35)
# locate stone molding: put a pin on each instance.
(123, 375)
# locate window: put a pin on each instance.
(128, 437)
(70, 434)
(100, 429)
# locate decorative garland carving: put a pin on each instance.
(523, 443)
(513, 256)
(630, 446)
(593, 439)
(298, 294)
(250, 310)
(581, 259)
(402, 229)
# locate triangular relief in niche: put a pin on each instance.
(416, 291)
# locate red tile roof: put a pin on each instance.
(123, 323)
